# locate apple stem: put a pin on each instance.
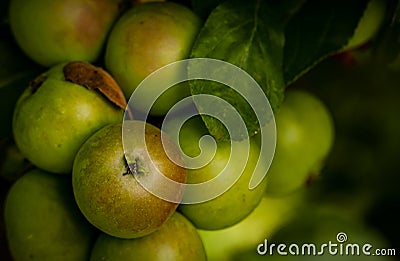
(132, 168)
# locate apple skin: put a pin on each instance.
(305, 135)
(109, 196)
(177, 239)
(234, 204)
(146, 38)
(270, 215)
(43, 221)
(52, 121)
(51, 32)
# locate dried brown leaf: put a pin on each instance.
(95, 78)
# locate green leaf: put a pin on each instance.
(204, 7)
(249, 35)
(285, 9)
(387, 47)
(318, 30)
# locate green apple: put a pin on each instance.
(4, 248)
(177, 239)
(105, 186)
(314, 224)
(305, 136)
(54, 116)
(369, 24)
(147, 38)
(51, 32)
(238, 201)
(269, 216)
(43, 222)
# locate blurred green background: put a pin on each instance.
(357, 192)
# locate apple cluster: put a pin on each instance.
(82, 200)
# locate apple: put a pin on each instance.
(60, 109)
(328, 227)
(42, 220)
(270, 215)
(52, 32)
(105, 183)
(305, 135)
(238, 201)
(146, 38)
(177, 239)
